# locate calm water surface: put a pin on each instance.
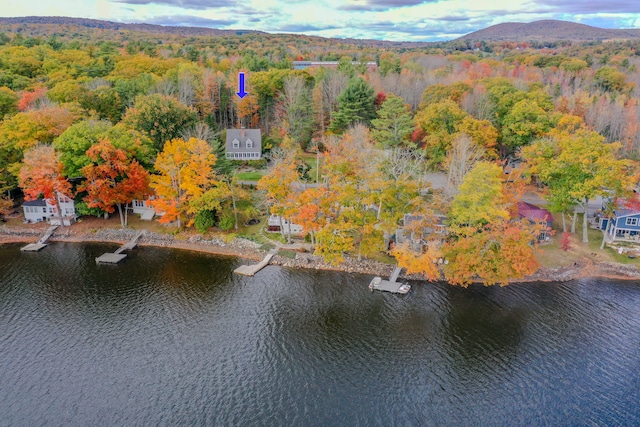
(174, 338)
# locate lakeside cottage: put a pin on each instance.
(143, 208)
(417, 231)
(537, 215)
(624, 224)
(243, 144)
(41, 210)
(273, 225)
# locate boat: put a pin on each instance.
(378, 284)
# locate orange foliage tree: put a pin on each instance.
(114, 178)
(41, 175)
(499, 252)
(424, 263)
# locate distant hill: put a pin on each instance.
(549, 30)
(48, 25)
(108, 25)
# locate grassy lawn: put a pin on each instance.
(250, 176)
(310, 159)
(552, 255)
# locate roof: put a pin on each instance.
(243, 135)
(625, 212)
(36, 202)
(533, 212)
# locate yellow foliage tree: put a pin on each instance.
(185, 173)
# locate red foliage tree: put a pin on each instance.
(114, 179)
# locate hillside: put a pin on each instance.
(45, 26)
(549, 30)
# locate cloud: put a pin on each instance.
(570, 7)
(183, 4)
(189, 21)
(378, 5)
(303, 28)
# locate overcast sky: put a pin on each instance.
(397, 20)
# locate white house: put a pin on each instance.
(244, 144)
(143, 208)
(41, 210)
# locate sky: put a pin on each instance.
(394, 20)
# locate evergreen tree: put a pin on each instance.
(394, 123)
(355, 104)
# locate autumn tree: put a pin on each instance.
(480, 200)
(160, 117)
(184, 174)
(41, 175)
(423, 263)
(114, 178)
(278, 184)
(461, 158)
(578, 165)
(8, 102)
(78, 138)
(499, 252)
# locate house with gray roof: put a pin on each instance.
(243, 144)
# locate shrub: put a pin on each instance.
(204, 221)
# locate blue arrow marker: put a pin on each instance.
(241, 93)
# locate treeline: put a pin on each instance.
(124, 120)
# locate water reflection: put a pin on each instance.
(173, 337)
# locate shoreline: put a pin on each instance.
(245, 249)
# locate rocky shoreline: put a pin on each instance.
(248, 249)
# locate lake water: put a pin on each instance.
(171, 337)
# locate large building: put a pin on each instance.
(301, 65)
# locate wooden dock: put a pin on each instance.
(250, 270)
(42, 243)
(117, 256)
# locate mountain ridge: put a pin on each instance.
(549, 30)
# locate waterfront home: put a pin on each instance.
(417, 230)
(537, 215)
(273, 225)
(41, 210)
(243, 144)
(624, 224)
(143, 208)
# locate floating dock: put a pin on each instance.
(391, 285)
(117, 256)
(250, 270)
(33, 247)
(42, 243)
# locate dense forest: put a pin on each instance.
(108, 115)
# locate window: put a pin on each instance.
(44, 210)
(236, 143)
(632, 221)
(249, 143)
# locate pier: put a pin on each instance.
(42, 243)
(117, 256)
(250, 270)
